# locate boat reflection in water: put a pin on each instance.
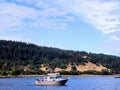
(51, 79)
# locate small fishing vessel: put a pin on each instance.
(51, 79)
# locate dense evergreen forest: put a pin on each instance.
(14, 56)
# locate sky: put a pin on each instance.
(80, 25)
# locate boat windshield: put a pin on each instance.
(55, 77)
(58, 76)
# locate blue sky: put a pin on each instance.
(84, 25)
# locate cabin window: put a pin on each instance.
(51, 78)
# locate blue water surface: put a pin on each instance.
(74, 83)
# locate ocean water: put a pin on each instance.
(74, 83)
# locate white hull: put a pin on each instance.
(51, 83)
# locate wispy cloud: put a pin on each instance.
(102, 14)
(20, 14)
(32, 14)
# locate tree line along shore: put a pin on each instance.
(15, 56)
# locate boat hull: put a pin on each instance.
(51, 83)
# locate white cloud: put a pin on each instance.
(102, 14)
(115, 38)
(21, 14)
(14, 16)
(105, 16)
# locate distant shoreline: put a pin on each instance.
(19, 76)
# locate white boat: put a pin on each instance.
(51, 79)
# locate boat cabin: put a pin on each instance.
(52, 77)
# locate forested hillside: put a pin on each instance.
(14, 56)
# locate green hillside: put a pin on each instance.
(14, 56)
